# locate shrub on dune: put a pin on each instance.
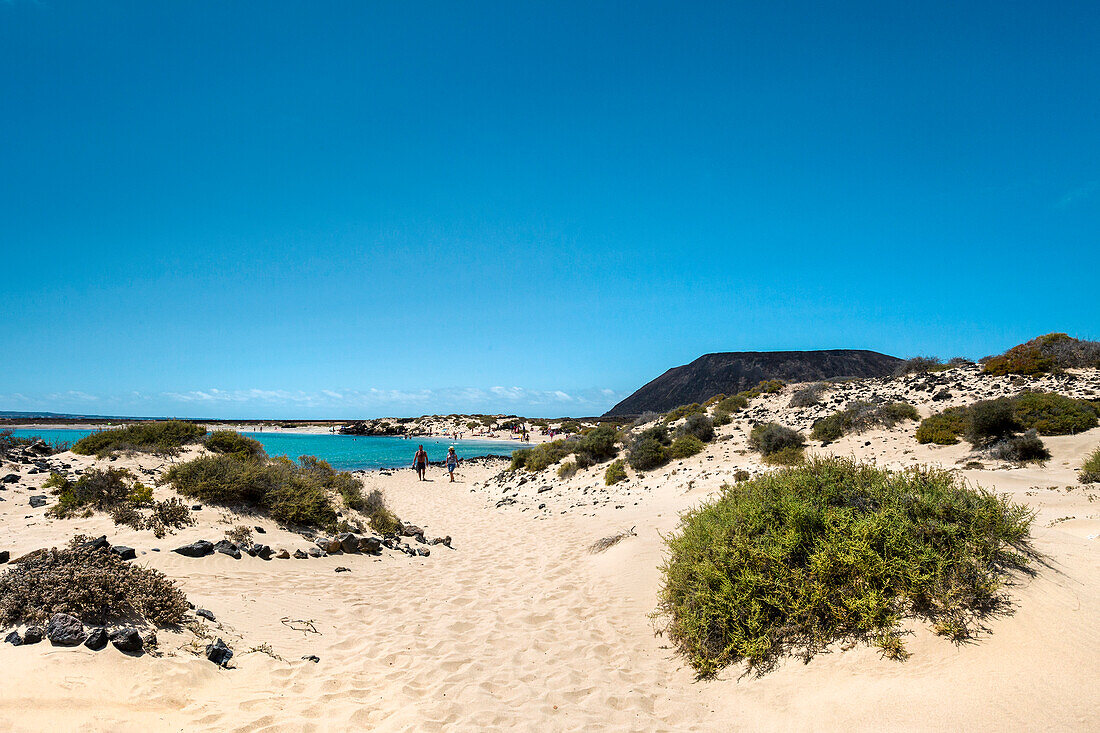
(684, 446)
(698, 425)
(616, 472)
(859, 416)
(95, 586)
(166, 436)
(1053, 414)
(835, 551)
(1043, 355)
(943, 428)
(1090, 469)
(733, 404)
(809, 396)
(771, 437)
(1020, 448)
(230, 441)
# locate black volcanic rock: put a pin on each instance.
(731, 372)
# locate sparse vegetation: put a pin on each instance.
(698, 425)
(649, 450)
(683, 411)
(1090, 469)
(166, 437)
(1020, 448)
(240, 534)
(567, 470)
(859, 416)
(117, 492)
(95, 586)
(791, 455)
(594, 446)
(616, 472)
(1053, 414)
(733, 404)
(990, 420)
(810, 395)
(835, 551)
(943, 428)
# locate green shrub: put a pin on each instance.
(831, 427)
(546, 454)
(382, 520)
(809, 396)
(166, 436)
(1021, 448)
(732, 404)
(95, 586)
(519, 459)
(598, 443)
(616, 472)
(1090, 469)
(698, 425)
(721, 418)
(1053, 414)
(230, 441)
(944, 428)
(990, 420)
(714, 400)
(646, 454)
(98, 489)
(792, 455)
(835, 551)
(295, 494)
(685, 446)
(567, 470)
(683, 411)
(772, 437)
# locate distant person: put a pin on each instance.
(452, 463)
(420, 461)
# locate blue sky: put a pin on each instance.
(347, 209)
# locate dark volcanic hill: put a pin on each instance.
(731, 372)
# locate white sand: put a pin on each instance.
(520, 627)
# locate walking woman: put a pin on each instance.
(452, 463)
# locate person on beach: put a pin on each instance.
(452, 463)
(420, 461)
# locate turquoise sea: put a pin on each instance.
(344, 452)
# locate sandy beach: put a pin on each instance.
(519, 626)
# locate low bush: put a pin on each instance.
(165, 436)
(991, 420)
(295, 494)
(116, 492)
(834, 550)
(721, 418)
(698, 425)
(95, 586)
(647, 453)
(859, 416)
(683, 411)
(567, 470)
(943, 428)
(240, 534)
(919, 365)
(1053, 414)
(768, 386)
(792, 455)
(809, 396)
(1090, 469)
(732, 404)
(598, 443)
(616, 472)
(1020, 448)
(772, 437)
(230, 441)
(1044, 354)
(684, 446)
(382, 520)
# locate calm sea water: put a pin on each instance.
(344, 452)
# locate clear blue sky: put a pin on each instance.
(344, 209)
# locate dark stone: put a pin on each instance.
(126, 553)
(38, 501)
(33, 635)
(196, 507)
(282, 554)
(943, 394)
(14, 639)
(99, 543)
(65, 630)
(312, 658)
(348, 542)
(228, 548)
(329, 544)
(11, 478)
(298, 554)
(316, 552)
(204, 613)
(126, 640)
(342, 569)
(372, 545)
(201, 548)
(262, 551)
(97, 639)
(4, 556)
(219, 653)
(411, 530)
(423, 551)
(260, 530)
(249, 550)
